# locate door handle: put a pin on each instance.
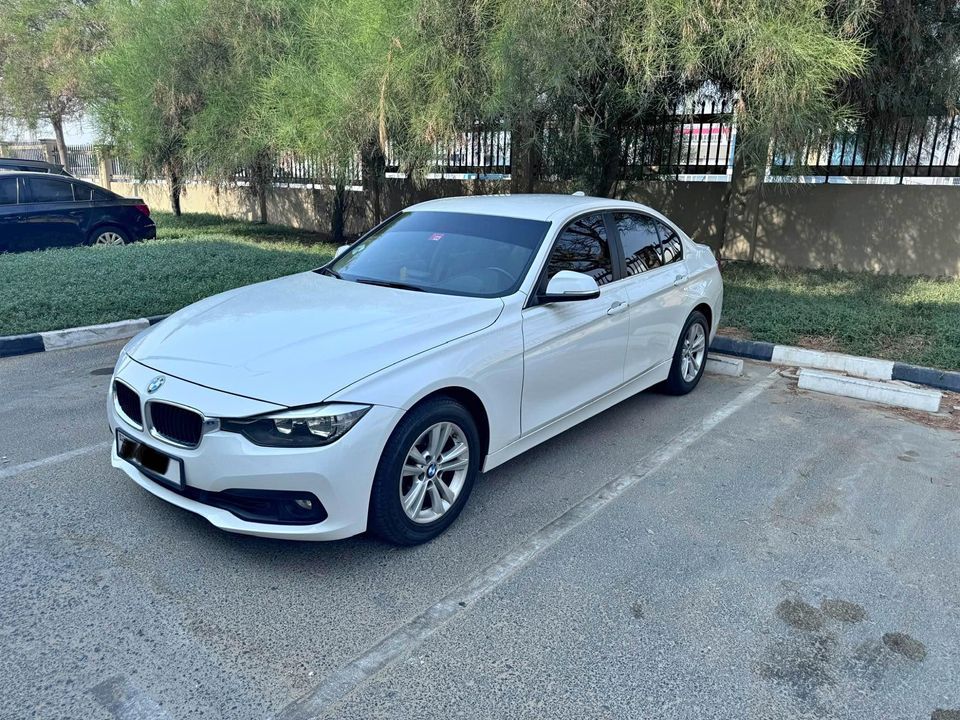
(679, 279)
(618, 307)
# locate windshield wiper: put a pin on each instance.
(388, 283)
(331, 272)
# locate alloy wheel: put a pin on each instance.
(109, 237)
(693, 352)
(434, 472)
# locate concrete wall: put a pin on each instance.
(908, 229)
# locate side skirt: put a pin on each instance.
(656, 374)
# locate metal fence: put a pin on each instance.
(483, 150)
(31, 151)
(901, 147)
(696, 140)
(82, 161)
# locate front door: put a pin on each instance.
(574, 351)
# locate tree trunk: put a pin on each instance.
(373, 171)
(338, 218)
(175, 186)
(262, 202)
(524, 156)
(743, 203)
(56, 120)
(609, 159)
(261, 178)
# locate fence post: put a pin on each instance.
(50, 152)
(105, 165)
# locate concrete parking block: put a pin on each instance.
(886, 393)
(871, 368)
(724, 365)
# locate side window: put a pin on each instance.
(82, 193)
(101, 195)
(641, 244)
(670, 246)
(43, 190)
(583, 247)
(8, 191)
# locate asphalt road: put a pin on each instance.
(745, 551)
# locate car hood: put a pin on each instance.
(299, 339)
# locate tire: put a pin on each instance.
(680, 381)
(108, 236)
(395, 482)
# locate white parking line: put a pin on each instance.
(68, 455)
(406, 638)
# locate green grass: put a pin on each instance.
(914, 320)
(909, 319)
(194, 257)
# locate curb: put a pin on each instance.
(871, 368)
(73, 337)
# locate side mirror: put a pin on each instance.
(568, 285)
(340, 251)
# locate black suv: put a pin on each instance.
(41, 210)
(11, 164)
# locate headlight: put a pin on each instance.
(303, 427)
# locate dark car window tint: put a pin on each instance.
(82, 193)
(8, 191)
(641, 244)
(101, 195)
(43, 190)
(670, 246)
(583, 247)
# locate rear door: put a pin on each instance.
(51, 216)
(653, 255)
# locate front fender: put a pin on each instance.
(488, 363)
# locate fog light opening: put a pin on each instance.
(305, 503)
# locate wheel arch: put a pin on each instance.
(707, 311)
(474, 405)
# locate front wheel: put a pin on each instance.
(425, 474)
(690, 357)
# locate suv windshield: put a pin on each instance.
(445, 252)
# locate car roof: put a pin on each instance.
(29, 161)
(46, 176)
(526, 206)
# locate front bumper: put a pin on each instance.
(340, 475)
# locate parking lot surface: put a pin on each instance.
(745, 551)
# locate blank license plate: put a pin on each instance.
(154, 464)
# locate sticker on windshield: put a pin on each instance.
(436, 236)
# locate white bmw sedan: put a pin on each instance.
(369, 394)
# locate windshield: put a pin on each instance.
(445, 252)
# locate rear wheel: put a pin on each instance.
(108, 236)
(690, 357)
(425, 474)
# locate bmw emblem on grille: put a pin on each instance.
(156, 384)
